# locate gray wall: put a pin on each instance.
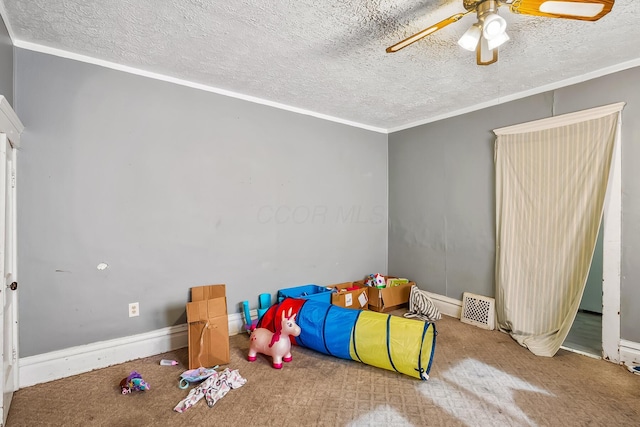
(622, 86)
(592, 296)
(441, 192)
(174, 187)
(442, 199)
(6, 63)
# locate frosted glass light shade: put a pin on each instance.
(493, 26)
(470, 38)
(497, 41)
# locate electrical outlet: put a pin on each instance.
(134, 309)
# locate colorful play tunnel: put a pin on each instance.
(390, 342)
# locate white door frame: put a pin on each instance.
(612, 254)
(10, 130)
(9, 123)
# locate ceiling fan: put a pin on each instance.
(489, 31)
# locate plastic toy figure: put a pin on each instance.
(278, 344)
(133, 382)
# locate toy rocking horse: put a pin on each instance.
(277, 345)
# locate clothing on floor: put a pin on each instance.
(212, 389)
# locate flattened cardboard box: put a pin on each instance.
(357, 299)
(389, 298)
(208, 327)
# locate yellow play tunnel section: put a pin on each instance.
(394, 343)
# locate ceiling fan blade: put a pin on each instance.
(584, 10)
(424, 33)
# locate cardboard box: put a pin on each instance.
(356, 299)
(389, 298)
(208, 327)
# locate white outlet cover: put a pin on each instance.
(134, 309)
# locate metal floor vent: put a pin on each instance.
(478, 310)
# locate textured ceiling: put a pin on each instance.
(328, 57)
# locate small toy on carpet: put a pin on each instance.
(133, 382)
(278, 344)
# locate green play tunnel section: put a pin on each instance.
(390, 342)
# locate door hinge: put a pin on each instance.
(13, 178)
(14, 355)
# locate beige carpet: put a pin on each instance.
(478, 378)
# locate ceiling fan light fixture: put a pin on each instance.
(493, 25)
(470, 38)
(497, 41)
(489, 31)
(587, 10)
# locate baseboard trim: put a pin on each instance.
(448, 306)
(59, 364)
(77, 360)
(629, 353)
(629, 350)
(237, 323)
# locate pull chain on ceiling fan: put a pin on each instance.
(489, 32)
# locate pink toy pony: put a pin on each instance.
(277, 345)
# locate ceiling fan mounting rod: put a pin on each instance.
(487, 6)
(476, 4)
